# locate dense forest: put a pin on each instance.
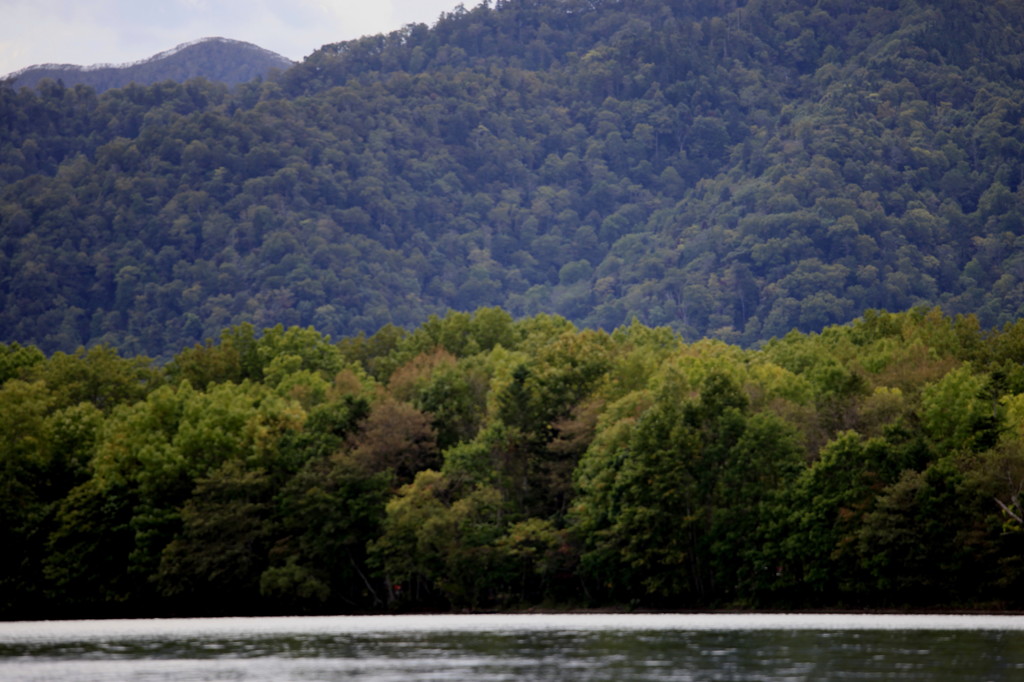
(215, 59)
(556, 303)
(726, 168)
(482, 462)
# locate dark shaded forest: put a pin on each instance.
(479, 462)
(727, 169)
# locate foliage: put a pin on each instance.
(728, 170)
(552, 238)
(874, 465)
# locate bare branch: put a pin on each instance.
(1009, 511)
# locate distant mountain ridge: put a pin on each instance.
(216, 59)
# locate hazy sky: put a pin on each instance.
(90, 32)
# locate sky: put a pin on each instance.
(87, 32)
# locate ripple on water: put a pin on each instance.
(519, 647)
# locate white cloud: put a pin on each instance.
(117, 31)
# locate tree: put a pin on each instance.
(406, 554)
(814, 533)
(956, 415)
(15, 359)
(98, 376)
(213, 566)
(234, 359)
(664, 492)
(26, 473)
(916, 542)
(398, 438)
(328, 513)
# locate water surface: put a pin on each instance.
(519, 647)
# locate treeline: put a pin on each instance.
(479, 462)
(726, 169)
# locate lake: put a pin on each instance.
(620, 647)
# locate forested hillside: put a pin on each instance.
(216, 59)
(478, 462)
(728, 169)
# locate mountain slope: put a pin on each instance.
(734, 171)
(216, 59)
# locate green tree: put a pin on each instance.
(663, 493)
(98, 376)
(214, 563)
(328, 513)
(916, 542)
(25, 480)
(812, 548)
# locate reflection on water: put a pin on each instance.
(519, 647)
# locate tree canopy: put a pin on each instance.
(478, 462)
(730, 170)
